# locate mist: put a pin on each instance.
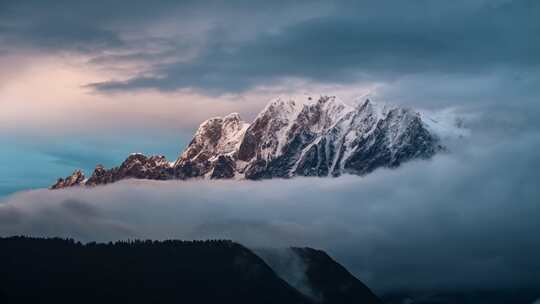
(467, 218)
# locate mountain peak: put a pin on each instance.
(304, 135)
(75, 179)
(232, 117)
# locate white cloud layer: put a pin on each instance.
(468, 218)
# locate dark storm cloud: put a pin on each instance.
(54, 26)
(80, 26)
(504, 102)
(98, 26)
(245, 43)
(466, 219)
(364, 42)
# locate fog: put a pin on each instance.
(468, 218)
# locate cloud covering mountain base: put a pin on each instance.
(465, 219)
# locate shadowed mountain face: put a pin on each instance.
(290, 137)
(317, 275)
(331, 281)
(63, 271)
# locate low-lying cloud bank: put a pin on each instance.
(465, 219)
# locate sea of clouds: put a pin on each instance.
(468, 218)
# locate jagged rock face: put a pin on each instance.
(223, 167)
(397, 138)
(75, 179)
(135, 166)
(212, 151)
(327, 137)
(290, 137)
(100, 176)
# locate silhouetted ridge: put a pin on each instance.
(315, 274)
(332, 282)
(64, 271)
(36, 270)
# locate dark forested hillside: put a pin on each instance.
(331, 280)
(317, 275)
(65, 271)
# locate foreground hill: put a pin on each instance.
(64, 271)
(317, 275)
(302, 136)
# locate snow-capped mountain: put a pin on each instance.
(302, 136)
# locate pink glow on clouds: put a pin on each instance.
(48, 95)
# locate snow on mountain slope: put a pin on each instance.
(324, 136)
(292, 136)
(213, 146)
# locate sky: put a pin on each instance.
(88, 82)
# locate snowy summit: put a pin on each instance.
(300, 136)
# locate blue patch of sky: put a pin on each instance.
(29, 163)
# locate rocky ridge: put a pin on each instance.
(302, 136)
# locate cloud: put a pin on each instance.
(219, 48)
(290, 267)
(361, 42)
(81, 27)
(466, 219)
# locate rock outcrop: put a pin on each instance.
(75, 179)
(304, 136)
